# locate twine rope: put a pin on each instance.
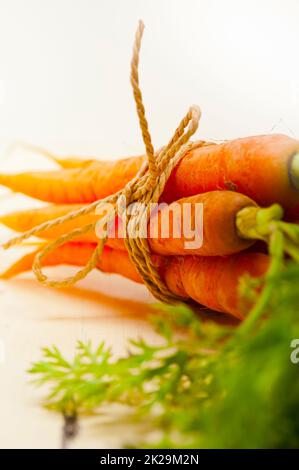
(145, 188)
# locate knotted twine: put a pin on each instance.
(145, 188)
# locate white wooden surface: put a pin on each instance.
(64, 67)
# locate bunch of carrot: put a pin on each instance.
(235, 181)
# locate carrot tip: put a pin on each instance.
(4, 219)
(4, 276)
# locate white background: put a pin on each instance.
(64, 70)
(64, 84)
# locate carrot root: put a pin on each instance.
(264, 168)
(210, 281)
(175, 229)
(78, 254)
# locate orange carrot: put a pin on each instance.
(219, 232)
(213, 282)
(76, 185)
(210, 281)
(265, 168)
(24, 220)
(78, 254)
(262, 167)
(213, 235)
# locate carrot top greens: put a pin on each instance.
(212, 386)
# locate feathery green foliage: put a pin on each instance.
(210, 386)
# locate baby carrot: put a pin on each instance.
(74, 185)
(24, 220)
(214, 282)
(217, 223)
(177, 229)
(265, 168)
(210, 281)
(77, 254)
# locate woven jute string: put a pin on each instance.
(145, 188)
